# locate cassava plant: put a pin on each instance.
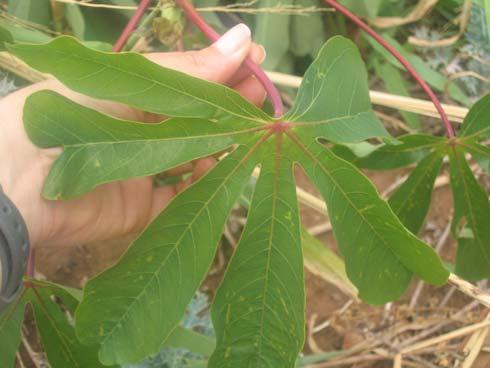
(134, 308)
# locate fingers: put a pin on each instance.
(257, 55)
(216, 63)
(252, 90)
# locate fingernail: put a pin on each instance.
(234, 40)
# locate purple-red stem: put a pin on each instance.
(274, 96)
(449, 128)
(130, 27)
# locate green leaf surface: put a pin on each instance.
(481, 154)
(380, 253)
(35, 11)
(486, 4)
(258, 311)
(309, 26)
(11, 320)
(412, 149)
(394, 83)
(431, 76)
(183, 338)
(411, 201)
(320, 260)
(76, 20)
(157, 277)
(20, 33)
(363, 8)
(333, 99)
(470, 221)
(134, 308)
(55, 324)
(134, 80)
(477, 122)
(272, 31)
(5, 37)
(99, 149)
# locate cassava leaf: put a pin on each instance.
(272, 31)
(183, 338)
(481, 154)
(258, 311)
(11, 320)
(363, 8)
(477, 122)
(309, 27)
(5, 37)
(394, 83)
(22, 34)
(414, 147)
(334, 104)
(431, 76)
(411, 201)
(134, 80)
(133, 308)
(35, 11)
(470, 221)
(55, 324)
(380, 253)
(75, 19)
(99, 149)
(157, 277)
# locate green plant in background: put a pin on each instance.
(133, 309)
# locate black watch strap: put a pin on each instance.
(14, 250)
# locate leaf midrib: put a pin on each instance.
(177, 243)
(298, 142)
(155, 82)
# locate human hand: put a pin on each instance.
(123, 208)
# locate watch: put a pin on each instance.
(14, 250)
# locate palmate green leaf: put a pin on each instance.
(258, 312)
(411, 201)
(11, 320)
(412, 149)
(381, 255)
(55, 325)
(477, 122)
(157, 277)
(131, 309)
(100, 149)
(470, 221)
(333, 99)
(134, 80)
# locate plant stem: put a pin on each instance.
(449, 128)
(130, 27)
(274, 96)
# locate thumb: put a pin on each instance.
(216, 63)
